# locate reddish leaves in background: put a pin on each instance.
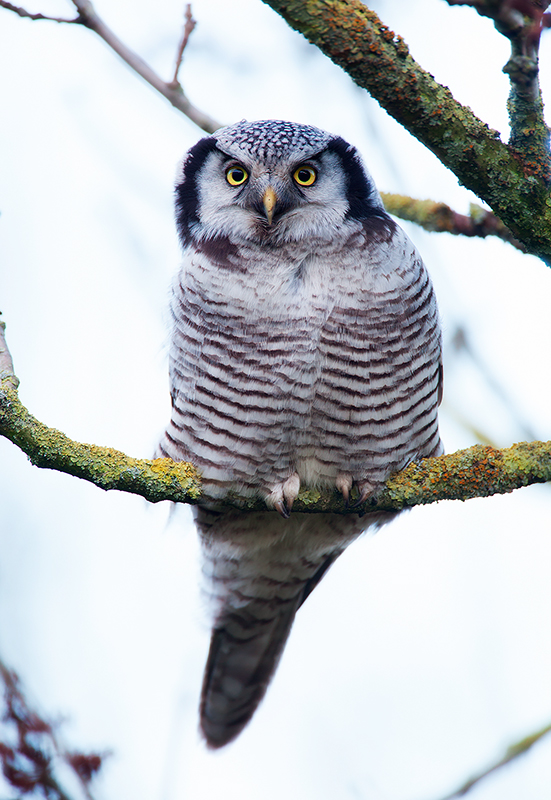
(28, 760)
(85, 766)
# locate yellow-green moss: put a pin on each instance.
(479, 471)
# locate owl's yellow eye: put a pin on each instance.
(236, 176)
(305, 176)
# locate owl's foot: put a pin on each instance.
(344, 484)
(282, 496)
(366, 489)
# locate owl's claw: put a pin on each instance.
(366, 490)
(290, 489)
(281, 508)
(282, 496)
(344, 484)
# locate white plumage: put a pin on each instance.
(306, 351)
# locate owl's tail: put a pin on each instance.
(258, 581)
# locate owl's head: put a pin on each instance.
(272, 181)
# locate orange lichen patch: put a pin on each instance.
(479, 471)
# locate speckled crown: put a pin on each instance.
(271, 139)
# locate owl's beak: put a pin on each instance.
(268, 201)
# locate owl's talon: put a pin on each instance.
(282, 496)
(290, 490)
(344, 485)
(282, 509)
(366, 490)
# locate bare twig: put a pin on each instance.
(189, 25)
(434, 216)
(27, 14)
(512, 752)
(174, 94)
(7, 375)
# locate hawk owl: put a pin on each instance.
(306, 351)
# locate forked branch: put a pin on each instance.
(189, 25)
(522, 22)
(172, 90)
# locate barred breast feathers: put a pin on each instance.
(315, 354)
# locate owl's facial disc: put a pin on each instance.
(271, 182)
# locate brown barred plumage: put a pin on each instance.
(306, 351)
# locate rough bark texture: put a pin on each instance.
(440, 218)
(379, 61)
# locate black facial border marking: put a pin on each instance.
(362, 204)
(186, 192)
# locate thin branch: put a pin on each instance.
(174, 94)
(522, 22)
(378, 60)
(27, 15)
(479, 471)
(189, 25)
(439, 217)
(512, 752)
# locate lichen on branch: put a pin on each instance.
(439, 217)
(477, 472)
(378, 60)
(522, 22)
(157, 479)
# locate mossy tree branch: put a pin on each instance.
(379, 61)
(522, 22)
(476, 472)
(440, 218)
(354, 37)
